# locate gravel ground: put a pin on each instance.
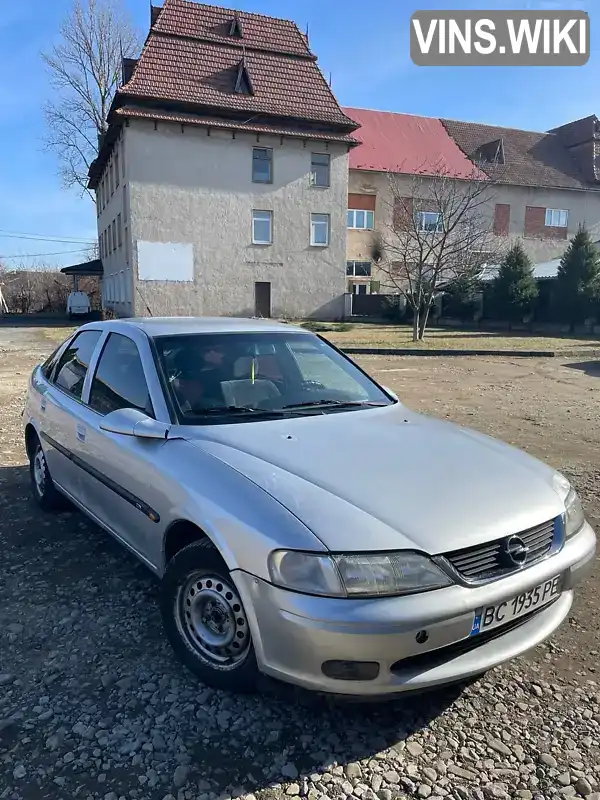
(94, 705)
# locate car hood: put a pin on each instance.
(388, 478)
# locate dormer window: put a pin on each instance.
(490, 153)
(243, 83)
(236, 27)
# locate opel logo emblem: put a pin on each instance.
(515, 551)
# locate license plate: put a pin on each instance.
(490, 617)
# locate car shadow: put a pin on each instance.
(591, 368)
(91, 637)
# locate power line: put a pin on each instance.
(40, 255)
(41, 237)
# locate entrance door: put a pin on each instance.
(262, 299)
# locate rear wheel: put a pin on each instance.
(45, 492)
(205, 620)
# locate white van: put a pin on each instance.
(78, 304)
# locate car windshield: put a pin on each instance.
(246, 376)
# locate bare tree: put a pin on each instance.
(85, 70)
(440, 233)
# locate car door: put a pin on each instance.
(60, 421)
(122, 485)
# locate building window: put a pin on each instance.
(113, 232)
(320, 169)
(358, 269)
(262, 227)
(556, 218)
(430, 221)
(262, 165)
(117, 172)
(126, 245)
(361, 220)
(319, 230)
(119, 231)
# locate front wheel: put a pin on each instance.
(205, 621)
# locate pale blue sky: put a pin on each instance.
(364, 45)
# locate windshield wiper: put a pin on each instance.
(335, 403)
(224, 410)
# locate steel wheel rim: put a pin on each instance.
(211, 618)
(39, 471)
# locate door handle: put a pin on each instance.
(81, 433)
(43, 404)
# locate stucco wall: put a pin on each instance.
(194, 188)
(117, 282)
(583, 207)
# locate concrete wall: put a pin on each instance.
(188, 187)
(583, 207)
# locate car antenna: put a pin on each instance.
(144, 301)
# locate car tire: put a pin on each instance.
(44, 491)
(205, 621)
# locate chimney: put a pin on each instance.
(582, 140)
(154, 14)
(127, 67)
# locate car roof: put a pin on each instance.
(165, 326)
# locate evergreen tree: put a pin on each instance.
(514, 289)
(578, 279)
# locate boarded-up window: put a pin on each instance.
(501, 219)
(403, 213)
(365, 202)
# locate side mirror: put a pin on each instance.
(391, 393)
(131, 422)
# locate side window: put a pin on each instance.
(47, 367)
(119, 381)
(74, 362)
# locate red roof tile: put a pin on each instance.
(405, 143)
(213, 122)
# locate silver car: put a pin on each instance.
(303, 522)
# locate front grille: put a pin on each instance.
(434, 658)
(489, 561)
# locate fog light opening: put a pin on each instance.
(350, 670)
(422, 637)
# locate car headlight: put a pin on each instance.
(573, 516)
(355, 575)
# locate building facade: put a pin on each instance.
(222, 180)
(544, 184)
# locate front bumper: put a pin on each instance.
(295, 634)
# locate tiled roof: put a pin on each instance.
(405, 143)
(530, 159)
(204, 74)
(213, 122)
(212, 24)
(190, 58)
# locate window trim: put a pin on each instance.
(559, 211)
(312, 171)
(312, 223)
(269, 160)
(270, 213)
(110, 333)
(439, 224)
(93, 360)
(364, 211)
(353, 274)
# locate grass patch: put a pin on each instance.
(327, 327)
(389, 336)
